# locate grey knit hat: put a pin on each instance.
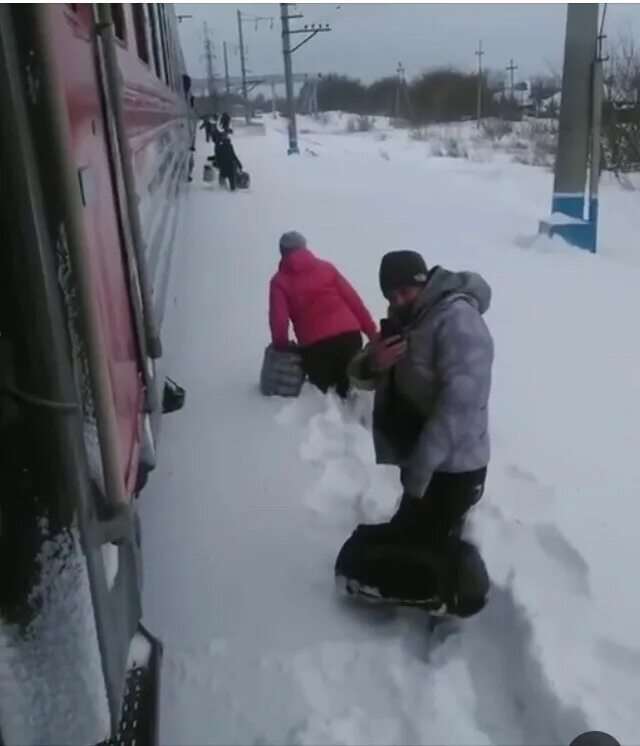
(291, 241)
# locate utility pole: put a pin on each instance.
(208, 57)
(227, 84)
(287, 51)
(243, 68)
(288, 78)
(597, 94)
(511, 70)
(399, 87)
(579, 118)
(479, 55)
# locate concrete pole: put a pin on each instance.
(288, 77)
(480, 55)
(576, 110)
(243, 69)
(596, 131)
(227, 84)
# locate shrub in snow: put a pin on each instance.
(366, 124)
(421, 134)
(454, 148)
(479, 155)
(541, 152)
(496, 129)
(360, 124)
(537, 143)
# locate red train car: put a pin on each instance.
(95, 154)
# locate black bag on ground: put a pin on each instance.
(377, 564)
(282, 373)
(243, 180)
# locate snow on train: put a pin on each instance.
(95, 152)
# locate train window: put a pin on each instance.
(117, 14)
(140, 30)
(153, 23)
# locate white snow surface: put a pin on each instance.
(51, 674)
(253, 497)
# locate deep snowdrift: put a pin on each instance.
(253, 497)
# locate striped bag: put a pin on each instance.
(282, 373)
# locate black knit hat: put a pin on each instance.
(401, 269)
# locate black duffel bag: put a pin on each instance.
(377, 564)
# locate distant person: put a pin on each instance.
(227, 161)
(207, 125)
(225, 123)
(327, 314)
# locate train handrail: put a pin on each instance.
(87, 303)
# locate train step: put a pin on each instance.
(139, 724)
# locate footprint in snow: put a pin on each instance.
(565, 554)
(516, 472)
(619, 656)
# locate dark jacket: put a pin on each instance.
(431, 409)
(226, 157)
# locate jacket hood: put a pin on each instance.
(297, 261)
(443, 285)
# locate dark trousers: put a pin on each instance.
(326, 362)
(448, 499)
(230, 174)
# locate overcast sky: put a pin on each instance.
(368, 40)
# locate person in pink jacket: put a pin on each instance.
(327, 314)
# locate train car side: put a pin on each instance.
(95, 144)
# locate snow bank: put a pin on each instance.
(51, 675)
(254, 497)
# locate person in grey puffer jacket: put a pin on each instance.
(432, 382)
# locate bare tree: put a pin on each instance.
(542, 88)
(622, 70)
(621, 110)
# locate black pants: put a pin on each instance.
(326, 362)
(229, 174)
(448, 499)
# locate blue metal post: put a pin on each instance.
(576, 122)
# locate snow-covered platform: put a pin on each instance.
(253, 497)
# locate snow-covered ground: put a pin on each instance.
(253, 497)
